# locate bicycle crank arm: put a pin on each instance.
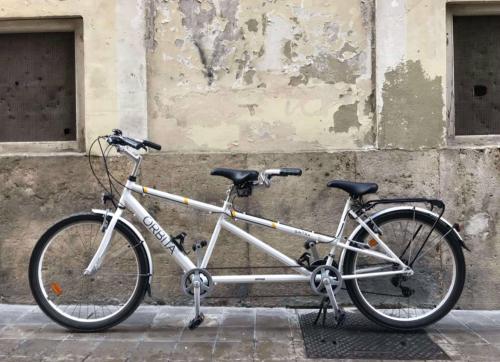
(198, 317)
(333, 301)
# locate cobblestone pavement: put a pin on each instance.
(231, 334)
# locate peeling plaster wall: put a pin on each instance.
(243, 76)
(411, 115)
(411, 73)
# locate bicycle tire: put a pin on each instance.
(90, 326)
(454, 243)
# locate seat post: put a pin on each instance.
(340, 230)
(229, 192)
(343, 218)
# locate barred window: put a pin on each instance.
(37, 87)
(476, 75)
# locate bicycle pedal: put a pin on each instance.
(196, 321)
(199, 245)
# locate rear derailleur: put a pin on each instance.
(398, 280)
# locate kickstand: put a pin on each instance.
(323, 309)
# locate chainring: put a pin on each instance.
(325, 271)
(187, 284)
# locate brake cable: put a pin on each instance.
(110, 191)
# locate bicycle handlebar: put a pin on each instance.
(285, 171)
(117, 139)
(265, 176)
(156, 146)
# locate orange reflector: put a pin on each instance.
(373, 243)
(56, 288)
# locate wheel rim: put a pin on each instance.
(87, 299)
(390, 301)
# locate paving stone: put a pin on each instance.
(172, 319)
(123, 332)
(233, 351)
(72, 350)
(271, 333)
(477, 353)
(228, 334)
(23, 359)
(51, 331)
(18, 331)
(163, 333)
(113, 350)
(436, 336)
(491, 335)
(265, 320)
(7, 346)
(7, 317)
(193, 351)
(35, 348)
(473, 319)
(34, 318)
(143, 319)
(18, 308)
(299, 349)
(80, 336)
(456, 332)
(271, 350)
(153, 351)
(494, 315)
(239, 319)
(235, 334)
(200, 334)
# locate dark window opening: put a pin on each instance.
(37, 87)
(477, 72)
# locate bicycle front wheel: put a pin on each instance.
(88, 303)
(434, 252)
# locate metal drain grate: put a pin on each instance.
(360, 338)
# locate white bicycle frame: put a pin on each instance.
(226, 215)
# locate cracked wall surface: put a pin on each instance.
(253, 77)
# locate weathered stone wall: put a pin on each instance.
(37, 191)
(260, 84)
(269, 76)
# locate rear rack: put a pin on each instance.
(432, 202)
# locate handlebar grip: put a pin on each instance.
(288, 171)
(156, 146)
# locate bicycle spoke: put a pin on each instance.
(88, 297)
(414, 296)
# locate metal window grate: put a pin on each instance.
(37, 87)
(359, 338)
(477, 74)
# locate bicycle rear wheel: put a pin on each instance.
(408, 302)
(88, 303)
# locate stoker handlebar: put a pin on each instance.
(117, 139)
(285, 171)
